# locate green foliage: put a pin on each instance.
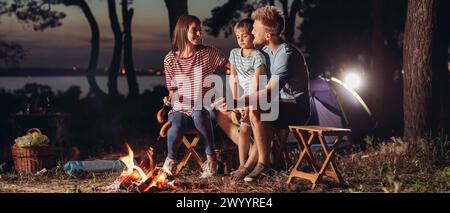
(1, 167)
(37, 13)
(369, 140)
(11, 52)
(32, 139)
(73, 189)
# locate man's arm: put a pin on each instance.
(274, 82)
(278, 79)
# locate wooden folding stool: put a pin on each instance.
(320, 132)
(190, 146)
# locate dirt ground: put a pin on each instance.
(392, 166)
(187, 181)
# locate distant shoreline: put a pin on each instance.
(63, 83)
(49, 72)
(55, 72)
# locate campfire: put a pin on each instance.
(145, 177)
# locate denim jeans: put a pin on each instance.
(181, 123)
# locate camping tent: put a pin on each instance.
(335, 104)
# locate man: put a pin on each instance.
(288, 74)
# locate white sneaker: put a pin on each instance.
(169, 165)
(209, 169)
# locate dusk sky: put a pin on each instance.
(68, 45)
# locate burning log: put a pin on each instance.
(157, 182)
(143, 178)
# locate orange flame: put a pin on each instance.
(143, 176)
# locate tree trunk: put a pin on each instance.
(290, 21)
(133, 88)
(285, 6)
(378, 74)
(440, 68)
(113, 71)
(95, 45)
(175, 8)
(418, 69)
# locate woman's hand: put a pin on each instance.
(167, 101)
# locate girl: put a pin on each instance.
(186, 66)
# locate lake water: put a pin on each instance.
(62, 83)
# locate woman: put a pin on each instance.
(187, 66)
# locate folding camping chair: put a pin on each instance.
(161, 116)
(190, 146)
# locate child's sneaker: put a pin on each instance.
(169, 166)
(209, 169)
(257, 172)
(233, 172)
(239, 174)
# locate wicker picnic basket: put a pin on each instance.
(35, 158)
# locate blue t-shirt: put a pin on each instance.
(246, 66)
(289, 65)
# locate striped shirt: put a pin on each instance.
(188, 75)
(246, 67)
